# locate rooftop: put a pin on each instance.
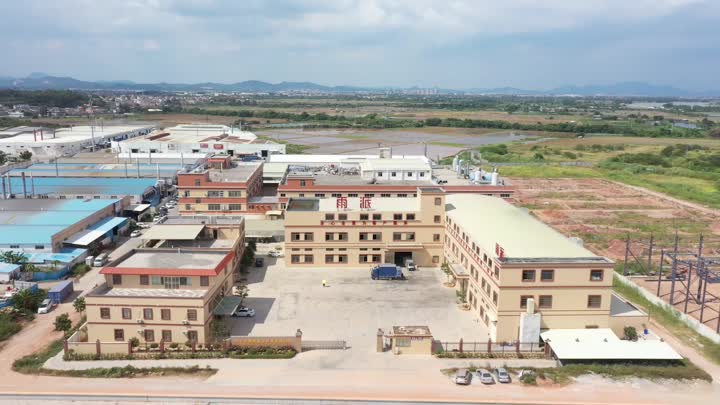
(172, 259)
(35, 221)
(411, 331)
(197, 133)
(80, 185)
(90, 169)
(326, 179)
(419, 163)
(69, 135)
(148, 292)
(603, 344)
(203, 219)
(173, 232)
(240, 172)
(335, 159)
(491, 220)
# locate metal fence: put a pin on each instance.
(488, 347)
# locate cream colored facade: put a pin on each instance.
(362, 232)
(174, 304)
(571, 287)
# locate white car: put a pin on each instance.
(135, 234)
(243, 312)
(485, 377)
(45, 306)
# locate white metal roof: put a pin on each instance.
(603, 344)
(173, 232)
(490, 220)
(418, 164)
(96, 231)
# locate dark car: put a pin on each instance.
(259, 262)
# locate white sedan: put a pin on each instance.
(243, 312)
(135, 234)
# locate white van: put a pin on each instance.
(100, 259)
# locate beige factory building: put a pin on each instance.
(506, 261)
(362, 231)
(171, 288)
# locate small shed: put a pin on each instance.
(8, 272)
(411, 340)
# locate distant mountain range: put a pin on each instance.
(42, 81)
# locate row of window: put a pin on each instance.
(148, 314)
(549, 275)
(169, 282)
(309, 259)
(149, 335)
(546, 301)
(363, 236)
(375, 217)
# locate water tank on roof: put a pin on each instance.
(477, 176)
(494, 178)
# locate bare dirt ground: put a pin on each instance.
(603, 213)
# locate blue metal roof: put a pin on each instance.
(98, 169)
(81, 185)
(8, 268)
(96, 231)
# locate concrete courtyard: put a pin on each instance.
(352, 307)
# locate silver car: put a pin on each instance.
(463, 377)
(502, 375)
(486, 377)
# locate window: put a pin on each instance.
(402, 342)
(329, 217)
(167, 335)
(105, 313)
(422, 174)
(165, 314)
(393, 174)
(302, 183)
(352, 195)
(119, 335)
(213, 207)
(524, 299)
(364, 217)
(410, 236)
(309, 236)
(309, 258)
(410, 217)
(39, 247)
(234, 193)
(596, 275)
(295, 259)
(342, 258)
(528, 275)
(397, 236)
(329, 258)
(369, 195)
(342, 217)
(235, 207)
(436, 219)
(397, 217)
(385, 195)
(403, 195)
(594, 301)
(144, 280)
(436, 237)
(409, 174)
(192, 314)
(149, 335)
(126, 313)
(197, 183)
(380, 174)
(192, 335)
(495, 297)
(436, 259)
(117, 279)
(377, 217)
(204, 281)
(186, 193)
(547, 275)
(336, 195)
(295, 236)
(545, 301)
(438, 201)
(215, 194)
(14, 246)
(319, 195)
(148, 314)
(188, 207)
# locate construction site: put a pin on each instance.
(669, 247)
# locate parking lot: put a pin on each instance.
(352, 307)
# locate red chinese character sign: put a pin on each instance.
(499, 251)
(341, 203)
(365, 203)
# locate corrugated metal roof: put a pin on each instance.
(173, 232)
(8, 268)
(96, 231)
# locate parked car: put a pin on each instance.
(134, 234)
(45, 306)
(275, 253)
(100, 259)
(259, 262)
(485, 377)
(502, 375)
(410, 265)
(244, 312)
(463, 377)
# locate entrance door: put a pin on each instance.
(400, 258)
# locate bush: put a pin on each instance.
(8, 326)
(134, 342)
(174, 345)
(630, 333)
(154, 345)
(569, 155)
(529, 379)
(63, 323)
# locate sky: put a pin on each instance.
(457, 44)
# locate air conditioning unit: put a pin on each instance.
(140, 321)
(185, 322)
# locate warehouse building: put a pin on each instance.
(200, 138)
(172, 287)
(520, 276)
(65, 141)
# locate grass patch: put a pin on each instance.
(683, 370)
(668, 319)
(450, 144)
(131, 372)
(9, 325)
(290, 148)
(550, 172)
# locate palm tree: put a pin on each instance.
(13, 257)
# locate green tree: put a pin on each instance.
(28, 300)
(538, 156)
(3, 158)
(25, 155)
(219, 330)
(13, 257)
(63, 323)
(79, 304)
